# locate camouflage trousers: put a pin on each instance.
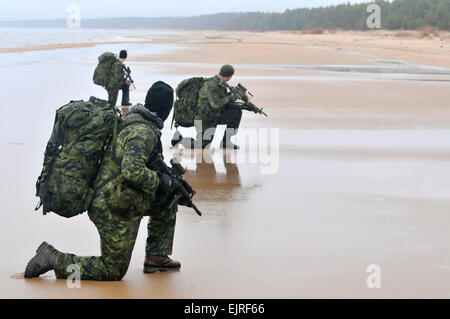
(117, 239)
(112, 95)
(231, 117)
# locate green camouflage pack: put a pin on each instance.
(102, 72)
(73, 154)
(185, 107)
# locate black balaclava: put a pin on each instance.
(159, 99)
(123, 54)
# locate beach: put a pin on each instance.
(356, 172)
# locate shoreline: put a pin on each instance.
(392, 45)
(50, 47)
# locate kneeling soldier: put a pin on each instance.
(216, 106)
(127, 190)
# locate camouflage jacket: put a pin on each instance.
(125, 184)
(117, 78)
(212, 99)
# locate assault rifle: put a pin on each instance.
(183, 191)
(242, 94)
(128, 70)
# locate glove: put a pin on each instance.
(233, 98)
(165, 184)
(165, 190)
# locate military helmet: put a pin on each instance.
(226, 70)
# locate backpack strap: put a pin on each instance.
(115, 128)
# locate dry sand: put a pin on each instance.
(296, 48)
(363, 178)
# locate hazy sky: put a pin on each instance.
(51, 9)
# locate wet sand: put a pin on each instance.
(363, 176)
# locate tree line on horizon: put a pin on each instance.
(397, 14)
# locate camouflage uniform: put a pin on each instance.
(116, 83)
(215, 107)
(125, 192)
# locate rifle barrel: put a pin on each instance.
(199, 213)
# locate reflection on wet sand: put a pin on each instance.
(208, 179)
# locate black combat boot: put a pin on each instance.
(226, 143)
(155, 263)
(190, 143)
(43, 261)
(176, 139)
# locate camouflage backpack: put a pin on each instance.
(102, 72)
(73, 154)
(185, 107)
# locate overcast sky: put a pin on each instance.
(56, 9)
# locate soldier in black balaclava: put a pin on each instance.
(158, 97)
(126, 190)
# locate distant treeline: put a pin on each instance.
(398, 14)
